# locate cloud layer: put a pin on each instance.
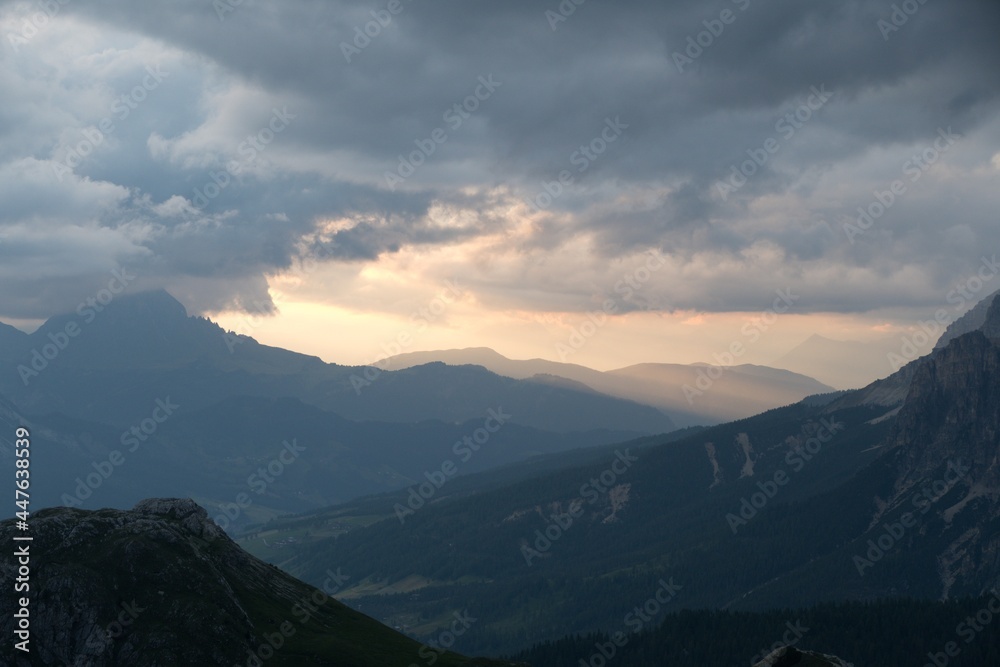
(536, 150)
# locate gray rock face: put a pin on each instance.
(991, 327)
(116, 588)
(948, 433)
(971, 321)
(162, 585)
(953, 410)
(191, 515)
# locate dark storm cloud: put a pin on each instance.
(560, 82)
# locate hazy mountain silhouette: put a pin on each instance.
(838, 363)
(740, 391)
(144, 347)
(973, 320)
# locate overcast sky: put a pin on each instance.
(337, 163)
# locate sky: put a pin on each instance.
(597, 182)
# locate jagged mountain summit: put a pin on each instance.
(974, 320)
(163, 585)
(111, 365)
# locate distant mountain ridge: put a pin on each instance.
(687, 392)
(144, 347)
(103, 374)
(840, 364)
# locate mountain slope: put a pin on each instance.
(12, 341)
(310, 457)
(573, 550)
(162, 585)
(883, 633)
(932, 501)
(969, 322)
(888, 490)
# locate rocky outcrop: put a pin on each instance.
(945, 451)
(953, 410)
(163, 585)
(789, 656)
(150, 586)
(971, 321)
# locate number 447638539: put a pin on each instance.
(23, 473)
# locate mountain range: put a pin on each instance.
(692, 394)
(554, 504)
(188, 408)
(886, 491)
(144, 347)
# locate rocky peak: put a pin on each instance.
(991, 327)
(789, 656)
(187, 514)
(974, 320)
(945, 445)
(161, 584)
(952, 411)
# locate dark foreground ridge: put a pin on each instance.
(163, 585)
(792, 657)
